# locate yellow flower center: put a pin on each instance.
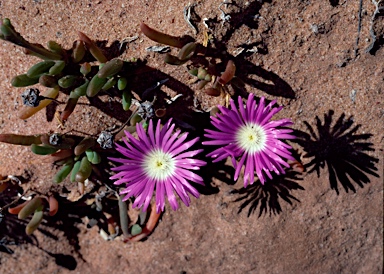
(251, 138)
(159, 165)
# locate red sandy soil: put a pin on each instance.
(305, 55)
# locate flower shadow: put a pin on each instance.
(340, 149)
(266, 197)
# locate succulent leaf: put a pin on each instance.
(160, 37)
(29, 111)
(63, 172)
(122, 83)
(85, 144)
(84, 171)
(228, 74)
(30, 207)
(109, 84)
(136, 229)
(173, 60)
(23, 80)
(57, 68)
(111, 68)
(34, 222)
(47, 81)
(75, 169)
(95, 85)
(40, 68)
(68, 81)
(42, 149)
(24, 140)
(126, 99)
(78, 52)
(53, 205)
(187, 51)
(93, 49)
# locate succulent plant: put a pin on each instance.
(66, 70)
(186, 53)
(36, 207)
(85, 71)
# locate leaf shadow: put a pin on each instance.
(341, 149)
(267, 197)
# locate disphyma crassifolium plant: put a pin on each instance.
(156, 158)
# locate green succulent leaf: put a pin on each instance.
(109, 84)
(122, 83)
(57, 68)
(95, 85)
(43, 150)
(111, 68)
(23, 80)
(68, 81)
(78, 52)
(63, 172)
(126, 99)
(84, 171)
(29, 208)
(136, 230)
(40, 68)
(34, 222)
(75, 169)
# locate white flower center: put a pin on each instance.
(159, 165)
(251, 138)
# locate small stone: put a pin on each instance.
(352, 95)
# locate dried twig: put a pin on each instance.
(358, 28)
(371, 31)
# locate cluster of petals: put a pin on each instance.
(158, 161)
(247, 135)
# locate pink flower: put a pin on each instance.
(158, 161)
(246, 133)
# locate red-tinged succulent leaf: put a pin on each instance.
(69, 108)
(212, 92)
(53, 205)
(228, 74)
(24, 140)
(60, 155)
(93, 49)
(85, 144)
(15, 210)
(187, 51)
(149, 226)
(160, 37)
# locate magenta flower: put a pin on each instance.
(248, 134)
(157, 160)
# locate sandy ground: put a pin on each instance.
(304, 54)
